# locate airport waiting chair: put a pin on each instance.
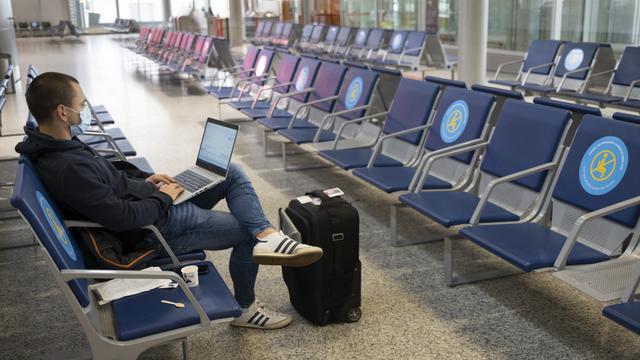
(286, 37)
(198, 64)
(393, 52)
(258, 33)
(536, 67)
(577, 113)
(175, 59)
(305, 36)
(521, 153)
(240, 72)
(275, 34)
(594, 208)
(263, 68)
(329, 40)
(575, 67)
(624, 81)
(120, 330)
(357, 47)
(317, 36)
(436, 56)
(462, 118)
(627, 312)
(375, 41)
(343, 118)
(343, 42)
(265, 35)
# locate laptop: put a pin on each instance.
(212, 164)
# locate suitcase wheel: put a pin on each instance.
(353, 315)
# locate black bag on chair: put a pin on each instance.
(328, 290)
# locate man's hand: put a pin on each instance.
(160, 179)
(173, 190)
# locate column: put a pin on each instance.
(472, 40)
(236, 23)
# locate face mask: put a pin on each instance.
(85, 121)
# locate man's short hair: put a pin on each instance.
(47, 91)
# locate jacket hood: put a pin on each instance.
(37, 143)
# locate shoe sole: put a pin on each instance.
(302, 257)
(276, 326)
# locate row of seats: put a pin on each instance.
(182, 52)
(281, 34)
(543, 185)
(582, 72)
(124, 332)
(36, 28)
(123, 26)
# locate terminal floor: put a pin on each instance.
(408, 311)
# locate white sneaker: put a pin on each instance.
(258, 316)
(279, 249)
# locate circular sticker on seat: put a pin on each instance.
(454, 121)
(361, 37)
(574, 59)
(396, 43)
(262, 65)
(354, 91)
(603, 165)
(56, 226)
(301, 81)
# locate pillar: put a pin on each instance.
(236, 23)
(472, 40)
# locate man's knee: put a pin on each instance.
(236, 173)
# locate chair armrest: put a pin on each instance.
(156, 232)
(571, 240)
(526, 76)
(495, 77)
(279, 97)
(342, 126)
(306, 105)
(265, 88)
(633, 84)
(117, 153)
(361, 119)
(68, 275)
(378, 147)
(564, 77)
(475, 218)
(431, 158)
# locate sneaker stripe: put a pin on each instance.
(253, 317)
(280, 245)
(257, 321)
(264, 322)
(293, 248)
(284, 249)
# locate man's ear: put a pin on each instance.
(61, 113)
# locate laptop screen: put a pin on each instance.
(217, 145)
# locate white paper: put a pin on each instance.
(119, 288)
(333, 192)
(304, 199)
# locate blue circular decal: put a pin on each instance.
(301, 81)
(361, 37)
(454, 121)
(397, 42)
(574, 59)
(354, 91)
(603, 165)
(56, 225)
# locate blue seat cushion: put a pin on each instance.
(452, 208)
(303, 136)
(115, 133)
(537, 88)
(143, 314)
(357, 158)
(509, 83)
(528, 246)
(105, 118)
(220, 93)
(392, 179)
(629, 103)
(142, 164)
(262, 113)
(125, 147)
(99, 108)
(625, 314)
(246, 104)
(601, 98)
(282, 123)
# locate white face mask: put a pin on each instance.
(85, 120)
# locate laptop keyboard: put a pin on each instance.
(192, 181)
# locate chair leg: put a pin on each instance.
(185, 349)
(424, 238)
(453, 280)
(288, 168)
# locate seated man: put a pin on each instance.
(86, 186)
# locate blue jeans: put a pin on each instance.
(192, 226)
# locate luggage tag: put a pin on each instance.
(308, 199)
(333, 192)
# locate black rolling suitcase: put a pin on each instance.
(329, 290)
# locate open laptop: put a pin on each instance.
(213, 160)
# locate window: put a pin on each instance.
(514, 24)
(142, 10)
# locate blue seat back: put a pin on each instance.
(259, 28)
(396, 44)
(415, 42)
(361, 38)
(266, 31)
(306, 32)
(327, 84)
(343, 36)
(462, 116)
(332, 35)
(286, 31)
(31, 199)
(316, 34)
(287, 67)
(527, 135)
(305, 77)
(263, 62)
(634, 119)
(411, 107)
(357, 89)
(250, 58)
(375, 39)
(277, 31)
(541, 52)
(602, 168)
(629, 67)
(575, 56)
(573, 107)
(445, 82)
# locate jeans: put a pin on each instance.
(192, 226)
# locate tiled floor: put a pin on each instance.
(408, 312)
